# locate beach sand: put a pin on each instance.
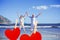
(47, 33)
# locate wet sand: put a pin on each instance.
(47, 33)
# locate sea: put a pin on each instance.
(47, 33)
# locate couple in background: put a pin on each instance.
(33, 21)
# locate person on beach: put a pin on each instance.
(33, 21)
(21, 20)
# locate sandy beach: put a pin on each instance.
(47, 33)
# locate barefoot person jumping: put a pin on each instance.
(33, 21)
(21, 20)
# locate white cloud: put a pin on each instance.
(40, 7)
(33, 7)
(44, 7)
(56, 6)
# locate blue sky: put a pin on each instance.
(50, 9)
